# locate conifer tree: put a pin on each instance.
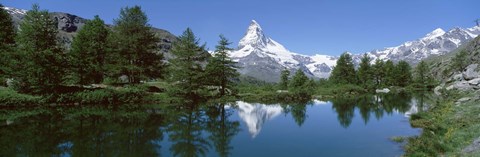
(7, 41)
(365, 76)
(404, 74)
(379, 73)
(390, 73)
(88, 52)
(344, 71)
(221, 70)
(134, 47)
(298, 80)
(459, 62)
(421, 75)
(186, 71)
(284, 79)
(39, 62)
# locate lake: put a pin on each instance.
(360, 126)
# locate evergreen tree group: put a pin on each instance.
(125, 53)
(371, 76)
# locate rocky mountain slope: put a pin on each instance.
(68, 26)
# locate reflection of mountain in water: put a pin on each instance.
(416, 105)
(254, 115)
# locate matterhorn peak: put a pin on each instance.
(254, 36)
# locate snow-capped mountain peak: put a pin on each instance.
(264, 58)
(254, 36)
(435, 33)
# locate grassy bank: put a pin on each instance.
(110, 95)
(448, 128)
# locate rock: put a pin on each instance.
(471, 72)
(458, 77)
(10, 82)
(437, 89)
(475, 146)
(463, 86)
(464, 99)
(474, 81)
(384, 90)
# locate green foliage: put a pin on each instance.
(7, 41)
(390, 73)
(11, 98)
(39, 63)
(126, 95)
(379, 73)
(365, 73)
(344, 71)
(186, 71)
(88, 52)
(403, 75)
(422, 78)
(221, 70)
(133, 45)
(459, 62)
(284, 79)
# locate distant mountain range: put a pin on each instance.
(263, 58)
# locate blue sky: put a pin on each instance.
(302, 26)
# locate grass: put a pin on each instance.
(398, 139)
(447, 129)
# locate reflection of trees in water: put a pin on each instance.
(106, 135)
(345, 110)
(370, 104)
(187, 131)
(298, 111)
(221, 129)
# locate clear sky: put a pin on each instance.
(302, 26)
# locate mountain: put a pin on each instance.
(435, 43)
(255, 115)
(262, 57)
(68, 26)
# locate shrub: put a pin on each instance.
(9, 97)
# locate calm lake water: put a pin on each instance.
(342, 127)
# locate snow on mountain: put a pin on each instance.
(11, 10)
(262, 57)
(437, 42)
(255, 115)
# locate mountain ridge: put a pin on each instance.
(263, 58)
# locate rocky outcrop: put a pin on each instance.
(465, 81)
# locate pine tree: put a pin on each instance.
(298, 80)
(365, 76)
(7, 41)
(39, 62)
(404, 74)
(344, 71)
(221, 70)
(390, 73)
(88, 52)
(459, 62)
(421, 75)
(284, 79)
(186, 71)
(379, 73)
(134, 47)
